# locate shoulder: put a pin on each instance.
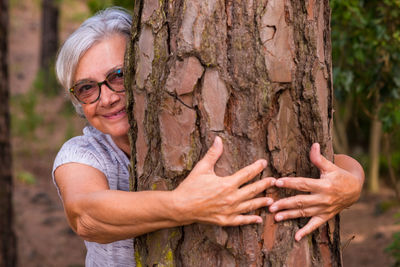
(89, 148)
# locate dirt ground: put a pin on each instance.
(44, 237)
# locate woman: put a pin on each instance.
(91, 171)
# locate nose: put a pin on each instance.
(107, 96)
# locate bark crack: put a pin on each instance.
(273, 27)
(176, 97)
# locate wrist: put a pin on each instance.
(179, 208)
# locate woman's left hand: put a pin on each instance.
(337, 188)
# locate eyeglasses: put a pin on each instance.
(88, 92)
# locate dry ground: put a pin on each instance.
(44, 236)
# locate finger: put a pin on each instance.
(245, 219)
(320, 161)
(211, 157)
(252, 190)
(312, 224)
(298, 213)
(298, 202)
(254, 204)
(300, 184)
(247, 173)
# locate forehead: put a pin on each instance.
(101, 57)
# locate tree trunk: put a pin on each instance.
(255, 73)
(49, 43)
(374, 147)
(7, 236)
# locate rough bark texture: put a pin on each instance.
(258, 74)
(7, 236)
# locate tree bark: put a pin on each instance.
(49, 42)
(7, 236)
(257, 73)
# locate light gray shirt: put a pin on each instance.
(98, 150)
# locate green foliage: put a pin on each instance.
(366, 49)
(390, 115)
(46, 81)
(96, 5)
(366, 68)
(25, 119)
(366, 63)
(394, 249)
(26, 177)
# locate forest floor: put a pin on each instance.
(44, 237)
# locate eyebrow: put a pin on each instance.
(90, 80)
(113, 70)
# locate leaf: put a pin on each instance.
(26, 177)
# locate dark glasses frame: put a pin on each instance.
(99, 84)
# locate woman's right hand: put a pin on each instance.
(207, 198)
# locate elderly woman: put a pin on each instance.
(91, 171)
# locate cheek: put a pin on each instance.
(89, 110)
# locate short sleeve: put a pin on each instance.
(77, 150)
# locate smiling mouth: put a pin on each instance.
(116, 114)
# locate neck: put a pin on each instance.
(123, 143)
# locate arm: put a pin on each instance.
(339, 187)
(352, 166)
(102, 215)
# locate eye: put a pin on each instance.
(119, 73)
(116, 77)
(84, 88)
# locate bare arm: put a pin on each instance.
(339, 187)
(99, 214)
(352, 166)
(102, 215)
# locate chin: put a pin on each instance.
(119, 131)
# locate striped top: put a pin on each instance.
(98, 150)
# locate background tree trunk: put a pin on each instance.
(7, 236)
(49, 43)
(256, 73)
(374, 146)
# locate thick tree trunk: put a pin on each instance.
(7, 236)
(256, 73)
(49, 42)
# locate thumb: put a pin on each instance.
(212, 155)
(320, 161)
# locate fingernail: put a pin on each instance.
(216, 140)
(264, 163)
(278, 217)
(272, 208)
(316, 146)
(279, 183)
(269, 202)
(259, 220)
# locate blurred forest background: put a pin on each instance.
(366, 57)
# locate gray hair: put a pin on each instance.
(102, 25)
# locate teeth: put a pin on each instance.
(115, 114)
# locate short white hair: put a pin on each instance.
(113, 20)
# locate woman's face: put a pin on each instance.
(108, 113)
